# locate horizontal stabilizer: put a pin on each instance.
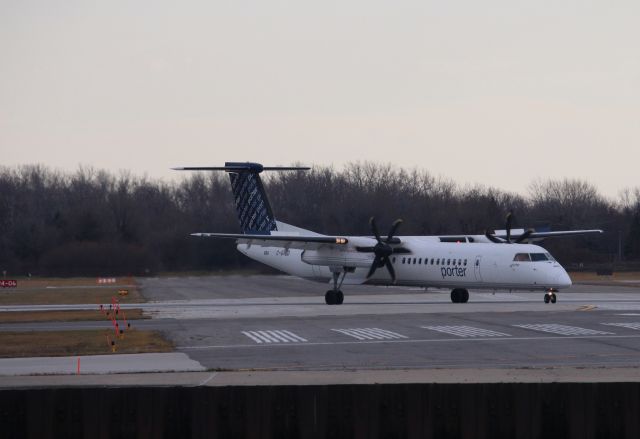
(242, 167)
(284, 238)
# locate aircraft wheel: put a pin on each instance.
(553, 298)
(546, 298)
(330, 297)
(339, 297)
(464, 296)
(457, 295)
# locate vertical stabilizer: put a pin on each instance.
(252, 205)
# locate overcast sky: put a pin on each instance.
(493, 92)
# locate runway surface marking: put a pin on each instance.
(274, 336)
(466, 331)
(407, 340)
(562, 329)
(370, 333)
(630, 325)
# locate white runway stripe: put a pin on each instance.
(554, 328)
(466, 331)
(274, 336)
(630, 325)
(370, 333)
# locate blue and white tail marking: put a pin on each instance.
(252, 205)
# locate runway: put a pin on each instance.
(276, 323)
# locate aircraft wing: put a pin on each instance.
(288, 241)
(541, 235)
(564, 233)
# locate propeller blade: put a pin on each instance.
(394, 227)
(493, 238)
(508, 225)
(524, 236)
(374, 228)
(392, 271)
(374, 267)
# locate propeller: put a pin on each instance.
(508, 223)
(507, 227)
(382, 249)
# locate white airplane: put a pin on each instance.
(494, 261)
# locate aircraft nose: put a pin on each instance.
(562, 279)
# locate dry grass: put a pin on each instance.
(64, 316)
(86, 342)
(61, 295)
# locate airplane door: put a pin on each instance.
(476, 268)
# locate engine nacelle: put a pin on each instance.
(337, 258)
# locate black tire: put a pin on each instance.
(465, 296)
(340, 298)
(455, 295)
(553, 298)
(330, 297)
(546, 298)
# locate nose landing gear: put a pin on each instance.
(550, 295)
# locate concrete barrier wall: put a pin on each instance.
(550, 410)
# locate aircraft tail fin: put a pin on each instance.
(252, 205)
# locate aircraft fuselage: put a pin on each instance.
(429, 264)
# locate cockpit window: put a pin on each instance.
(539, 257)
(522, 257)
(549, 257)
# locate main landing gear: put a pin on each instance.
(335, 296)
(459, 295)
(550, 295)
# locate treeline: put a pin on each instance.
(92, 222)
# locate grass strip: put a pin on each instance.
(65, 316)
(66, 296)
(81, 342)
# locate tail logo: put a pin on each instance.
(252, 205)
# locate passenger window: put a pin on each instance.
(414, 260)
(522, 257)
(477, 262)
(431, 261)
(403, 260)
(448, 261)
(420, 261)
(438, 261)
(465, 262)
(459, 261)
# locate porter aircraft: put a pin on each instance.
(504, 260)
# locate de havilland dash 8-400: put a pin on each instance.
(496, 261)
